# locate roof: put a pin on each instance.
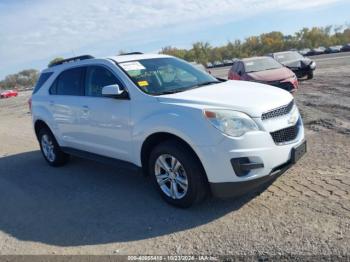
(85, 59)
(126, 58)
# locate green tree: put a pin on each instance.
(55, 60)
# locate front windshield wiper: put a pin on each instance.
(206, 83)
(173, 91)
(178, 90)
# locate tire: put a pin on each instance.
(310, 75)
(185, 175)
(50, 149)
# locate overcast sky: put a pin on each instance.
(32, 32)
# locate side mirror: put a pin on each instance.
(114, 91)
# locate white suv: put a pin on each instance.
(192, 133)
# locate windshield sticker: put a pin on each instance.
(142, 83)
(131, 66)
(250, 63)
(280, 56)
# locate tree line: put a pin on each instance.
(23, 79)
(203, 52)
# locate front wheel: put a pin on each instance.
(50, 149)
(310, 75)
(177, 174)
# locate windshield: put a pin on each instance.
(159, 76)
(288, 56)
(261, 64)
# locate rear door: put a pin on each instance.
(65, 103)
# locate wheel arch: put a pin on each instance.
(155, 139)
(38, 125)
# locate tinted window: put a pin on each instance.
(234, 67)
(53, 88)
(240, 68)
(96, 78)
(42, 79)
(69, 82)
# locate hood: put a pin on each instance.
(298, 63)
(248, 97)
(271, 75)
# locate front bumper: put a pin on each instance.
(290, 85)
(302, 72)
(237, 165)
(235, 189)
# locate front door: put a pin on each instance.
(105, 121)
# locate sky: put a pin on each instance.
(33, 32)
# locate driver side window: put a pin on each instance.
(96, 78)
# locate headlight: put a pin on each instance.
(231, 123)
(293, 116)
(313, 65)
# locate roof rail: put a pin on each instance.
(133, 53)
(72, 59)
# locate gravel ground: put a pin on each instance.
(91, 208)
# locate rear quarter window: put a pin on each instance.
(41, 81)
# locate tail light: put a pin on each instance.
(30, 104)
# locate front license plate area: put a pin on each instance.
(298, 152)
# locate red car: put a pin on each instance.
(8, 93)
(264, 70)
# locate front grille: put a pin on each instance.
(283, 110)
(285, 135)
(288, 86)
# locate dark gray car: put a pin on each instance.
(300, 65)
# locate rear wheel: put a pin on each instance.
(177, 174)
(50, 149)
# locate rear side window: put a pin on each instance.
(96, 78)
(69, 82)
(234, 67)
(240, 68)
(41, 81)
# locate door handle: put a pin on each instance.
(51, 103)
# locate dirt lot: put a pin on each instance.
(90, 208)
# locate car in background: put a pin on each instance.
(305, 51)
(318, 51)
(264, 70)
(346, 48)
(227, 62)
(8, 94)
(218, 64)
(333, 49)
(209, 65)
(300, 65)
